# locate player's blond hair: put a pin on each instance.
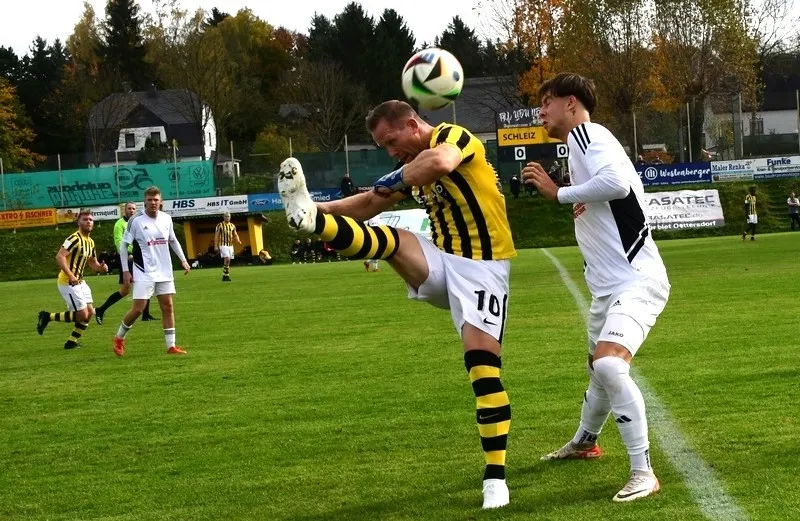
(153, 190)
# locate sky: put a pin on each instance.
(22, 20)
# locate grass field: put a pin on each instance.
(320, 392)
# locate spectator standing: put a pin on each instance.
(347, 186)
(514, 183)
(793, 203)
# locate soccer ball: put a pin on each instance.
(432, 79)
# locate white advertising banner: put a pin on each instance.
(206, 206)
(415, 220)
(100, 213)
(755, 169)
(684, 209)
(725, 171)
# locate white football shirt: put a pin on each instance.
(609, 211)
(151, 239)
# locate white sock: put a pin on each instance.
(169, 337)
(123, 330)
(627, 405)
(594, 411)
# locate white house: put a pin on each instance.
(121, 123)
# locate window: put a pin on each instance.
(130, 141)
(155, 137)
(756, 126)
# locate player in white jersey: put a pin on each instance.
(623, 270)
(152, 235)
(372, 264)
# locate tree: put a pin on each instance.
(394, 45)
(42, 71)
(153, 152)
(260, 56)
(320, 39)
(354, 32)
(16, 134)
(216, 17)
(460, 40)
(702, 47)
(10, 65)
(334, 105)
(122, 46)
(529, 31)
(191, 59)
(608, 41)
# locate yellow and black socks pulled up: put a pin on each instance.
(76, 334)
(226, 271)
(493, 409)
(66, 316)
(356, 240)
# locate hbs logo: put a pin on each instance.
(183, 203)
(651, 173)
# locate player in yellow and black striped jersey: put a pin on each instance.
(466, 209)
(77, 251)
(465, 266)
(224, 236)
(751, 214)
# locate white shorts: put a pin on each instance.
(752, 219)
(226, 251)
(475, 291)
(77, 297)
(145, 290)
(626, 316)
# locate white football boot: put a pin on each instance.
(301, 211)
(495, 493)
(640, 485)
(572, 451)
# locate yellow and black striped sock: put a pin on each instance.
(494, 410)
(357, 240)
(226, 271)
(80, 327)
(66, 316)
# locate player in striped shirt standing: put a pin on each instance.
(75, 254)
(224, 236)
(623, 269)
(751, 213)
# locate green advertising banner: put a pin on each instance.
(100, 186)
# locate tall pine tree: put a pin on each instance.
(460, 40)
(122, 49)
(394, 45)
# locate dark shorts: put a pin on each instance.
(130, 268)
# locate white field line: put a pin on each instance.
(701, 481)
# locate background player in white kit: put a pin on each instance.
(151, 234)
(623, 269)
(372, 264)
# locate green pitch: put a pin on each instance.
(320, 392)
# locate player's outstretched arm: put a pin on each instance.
(363, 206)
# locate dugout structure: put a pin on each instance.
(199, 234)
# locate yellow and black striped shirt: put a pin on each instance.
(466, 208)
(225, 231)
(750, 204)
(81, 249)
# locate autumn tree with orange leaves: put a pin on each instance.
(702, 47)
